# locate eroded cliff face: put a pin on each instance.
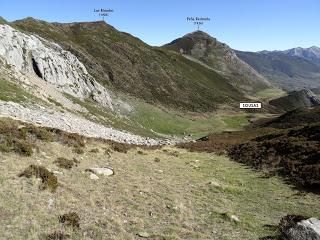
(35, 56)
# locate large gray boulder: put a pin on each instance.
(308, 229)
(101, 171)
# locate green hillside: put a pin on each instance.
(126, 64)
(219, 56)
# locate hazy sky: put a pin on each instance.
(243, 24)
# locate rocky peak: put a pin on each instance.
(311, 53)
(220, 57)
(198, 35)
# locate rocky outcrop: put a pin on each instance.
(33, 55)
(308, 229)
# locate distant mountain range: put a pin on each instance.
(292, 69)
(312, 54)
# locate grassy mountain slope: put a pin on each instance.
(164, 193)
(220, 57)
(287, 72)
(296, 99)
(301, 116)
(123, 62)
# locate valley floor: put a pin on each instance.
(164, 193)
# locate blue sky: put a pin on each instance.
(243, 24)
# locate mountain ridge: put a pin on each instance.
(285, 71)
(221, 57)
(122, 62)
(310, 53)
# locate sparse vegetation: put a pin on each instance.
(120, 147)
(70, 219)
(13, 138)
(49, 180)
(55, 102)
(94, 150)
(65, 163)
(40, 133)
(57, 236)
(12, 92)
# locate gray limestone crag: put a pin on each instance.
(308, 229)
(30, 54)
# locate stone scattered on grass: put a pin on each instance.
(93, 176)
(49, 180)
(57, 173)
(101, 171)
(50, 202)
(143, 234)
(214, 184)
(70, 219)
(157, 159)
(234, 218)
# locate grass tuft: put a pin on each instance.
(62, 162)
(70, 219)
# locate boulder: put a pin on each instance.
(308, 229)
(101, 171)
(94, 177)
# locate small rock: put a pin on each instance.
(94, 177)
(215, 184)
(50, 202)
(143, 234)
(101, 171)
(234, 218)
(57, 173)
